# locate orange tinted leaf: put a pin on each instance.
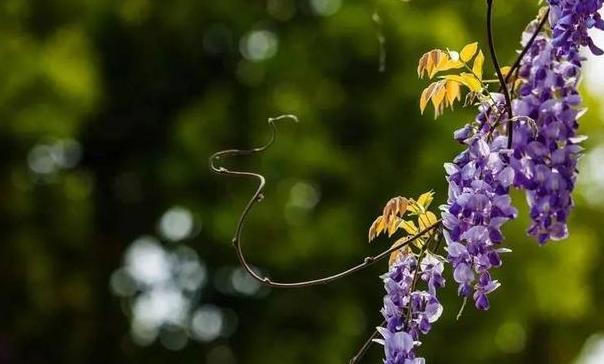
(427, 94)
(395, 207)
(399, 253)
(438, 98)
(453, 92)
(423, 99)
(434, 60)
(376, 228)
(421, 66)
(393, 226)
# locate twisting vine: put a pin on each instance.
(259, 196)
(524, 137)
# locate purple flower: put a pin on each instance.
(570, 20)
(478, 204)
(545, 154)
(409, 312)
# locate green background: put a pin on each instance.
(149, 89)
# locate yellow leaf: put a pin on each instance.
(393, 225)
(438, 98)
(421, 65)
(436, 57)
(456, 78)
(419, 242)
(478, 63)
(505, 70)
(408, 226)
(468, 52)
(426, 219)
(395, 207)
(399, 253)
(376, 228)
(426, 199)
(449, 65)
(472, 82)
(453, 92)
(423, 99)
(432, 219)
(427, 94)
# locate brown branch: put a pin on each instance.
(502, 81)
(366, 345)
(515, 68)
(258, 196)
(528, 45)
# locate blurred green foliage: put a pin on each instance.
(146, 90)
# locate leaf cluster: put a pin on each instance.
(447, 89)
(407, 215)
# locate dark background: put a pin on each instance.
(108, 112)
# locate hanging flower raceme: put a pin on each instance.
(479, 204)
(546, 150)
(570, 20)
(409, 312)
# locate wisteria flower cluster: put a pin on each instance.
(408, 312)
(525, 136)
(479, 204)
(539, 110)
(570, 20)
(545, 159)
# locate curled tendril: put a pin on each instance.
(259, 196)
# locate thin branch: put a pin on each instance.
(504, 86)
(528, 45)
(366, 345)
(258, 196)
(516, 67)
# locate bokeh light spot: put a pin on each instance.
(147, 262)
(259, 45)
(176, 224)
(207, 323)
(325, 7)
